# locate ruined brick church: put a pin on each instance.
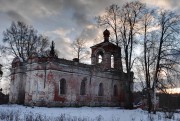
(52, 81)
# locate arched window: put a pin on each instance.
(115, 91)
(112, 61)
(100, 57)
(62, 86)
(101, 90)
(83, 87)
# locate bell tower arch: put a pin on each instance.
(106, 54)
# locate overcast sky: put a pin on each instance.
(64, 20)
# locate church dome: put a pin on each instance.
(106, 33)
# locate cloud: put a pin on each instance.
(164, 4)
(65, 20)
(59, 32)
(62, 42)
(63, 45)
(81, 19)
(92, 34)
(15, 16)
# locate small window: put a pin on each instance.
(100, 59)
(101, 90)
(83, 87)
(115, 91)
(62, 86)
(112, 61)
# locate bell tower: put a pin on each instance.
(106, 54)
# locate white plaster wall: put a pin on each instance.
(35, 92)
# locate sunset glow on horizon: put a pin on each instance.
(173, 91)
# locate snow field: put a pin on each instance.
(23, 113)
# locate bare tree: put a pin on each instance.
(167, 48)
(160, 44)
(21, 40)
(111, 19)
(129, 19)
(80, 48)
(124, 22)
(147, 23)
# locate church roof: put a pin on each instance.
(105, 44)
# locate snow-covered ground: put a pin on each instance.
(22, 113)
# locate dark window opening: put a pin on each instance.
(101, 90)
(62, 86)
(83, 87)
(115, 90)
